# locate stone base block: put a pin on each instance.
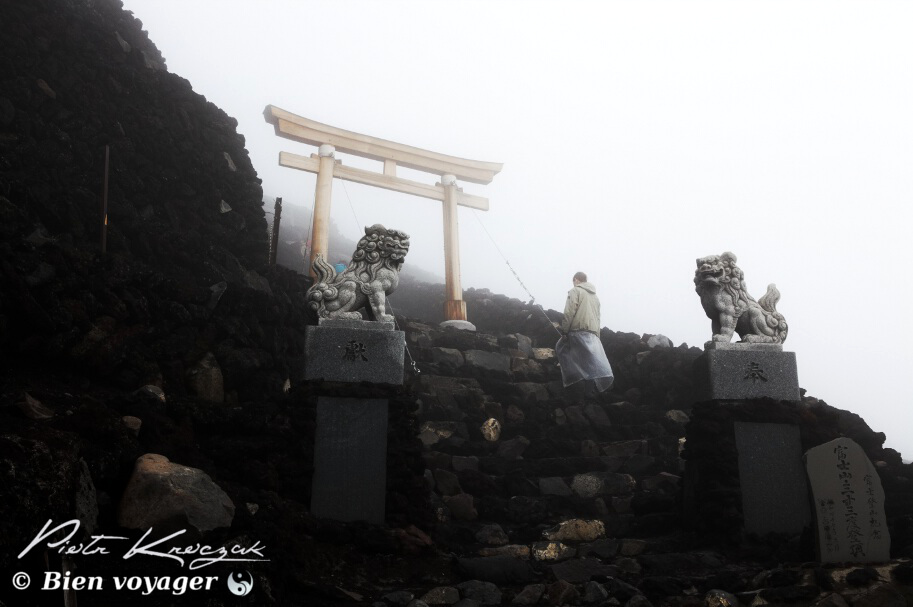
(772, 478)
(354, 351)
(350, 459)
(746, 373)
(743, 470)
(463, 325)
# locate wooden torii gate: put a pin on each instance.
(328, 139)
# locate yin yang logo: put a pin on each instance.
(240, 584)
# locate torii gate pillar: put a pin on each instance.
(392, 154)
(323, 196)
(454, 306)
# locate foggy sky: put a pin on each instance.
(635, 137)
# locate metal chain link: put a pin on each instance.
(396, 324)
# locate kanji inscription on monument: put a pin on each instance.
(355, 350)
(755, 373)
(849, 504)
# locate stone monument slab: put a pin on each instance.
(849, 504)
(354, 351)
(350, 459)
(772, 478)
(742, 373)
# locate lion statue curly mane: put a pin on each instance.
(721, 286)
(372, 274)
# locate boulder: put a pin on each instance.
(575, 530)
(527, 369)
(526, 510)
(593, 484)
(151, 392)
(597, 416)
(462, 507)
(514, 416)
(530, 392)
(133, 424)
(204, 380)
(554, 485)
(659, 341)
(436, 459)
(32, 407)
(633, 547)
(604, 548)
(446, 482)
(491, 430)
(493, 535)
(639, 464)
(678, 416)
(492, 363)
(578, 571)
(543, 354)
(623, 448)
(485, 593)
(400, 598)
(589, 448)
(577, 418)
(465, 462)
(880, 595)
(594, 592)
(442, 595)
(505, 570)
(449, 358)
(562, 593)
(164, 493)
(516, 551)
(513, 448)
(552, 551)
(530, 595)
(524, 343)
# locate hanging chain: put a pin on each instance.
(396, 324)
(358, 226)
(532, 300)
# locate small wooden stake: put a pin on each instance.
(104, 207)
(274, 241)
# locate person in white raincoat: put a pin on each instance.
(579, 350)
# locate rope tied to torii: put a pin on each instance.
(532, 300)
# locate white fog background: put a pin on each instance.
(635, 137)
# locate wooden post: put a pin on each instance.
(104, 206)
(323, 197)
(274, 241)
(454, 306)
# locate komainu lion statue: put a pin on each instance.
(372, 275)
(721, 286)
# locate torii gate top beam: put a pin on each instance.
(298, 128)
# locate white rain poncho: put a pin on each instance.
(582, 357)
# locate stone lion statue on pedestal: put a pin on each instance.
(372, 274)
(721, 286)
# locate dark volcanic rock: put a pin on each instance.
(497, 569)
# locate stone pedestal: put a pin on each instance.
(744, 471)
(746, 371)
(772, 478)
(354, 351)
(350, 444)
(350, 459)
